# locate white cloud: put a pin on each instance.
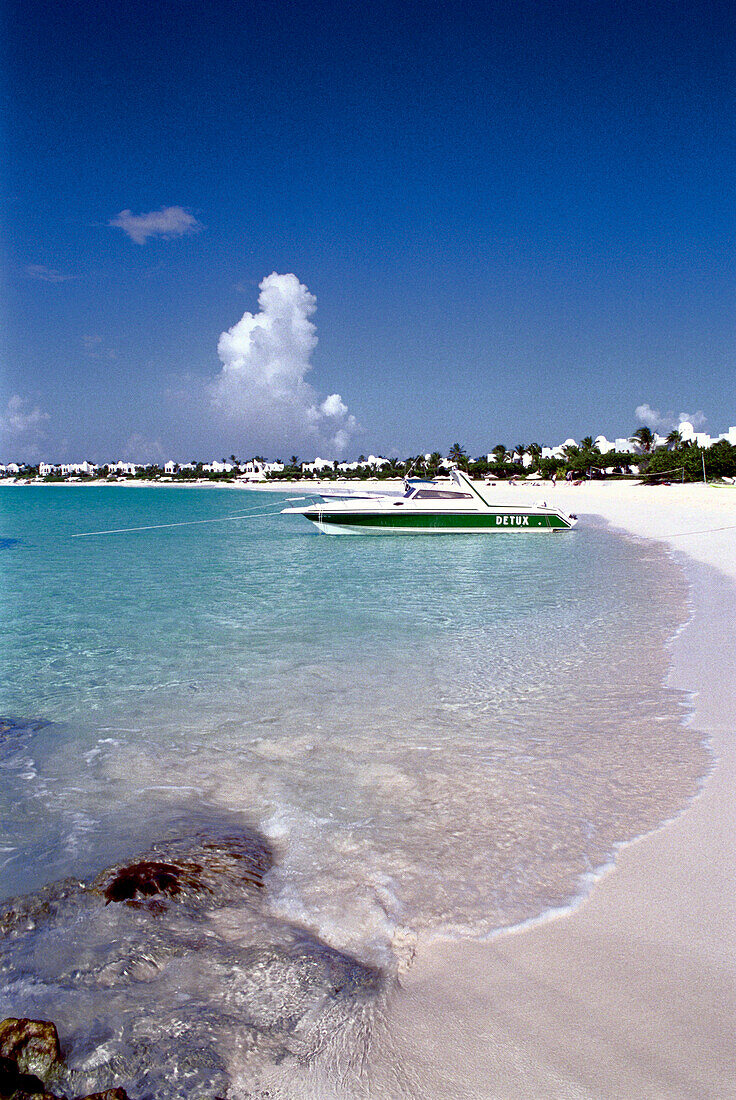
(47, 274)
(665, 422)
(652, 418)
(22, 425)
(697, 419)
(333, 406)
(169, 222)
(262, 385)
(20, 419)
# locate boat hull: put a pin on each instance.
(387, 523)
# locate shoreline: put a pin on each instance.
(630, 991)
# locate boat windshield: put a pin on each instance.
(440, 494)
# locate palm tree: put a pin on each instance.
(294, 460)
(457, 454)
(587, 444)
(500, 452)
(644, 438)
(674, 440)
(535, 451)
(520, 450)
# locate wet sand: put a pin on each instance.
(634, 993)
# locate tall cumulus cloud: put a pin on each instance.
(265, 359)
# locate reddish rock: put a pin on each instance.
(20, 1086)
(33, 1045)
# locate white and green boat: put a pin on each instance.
(430, 508)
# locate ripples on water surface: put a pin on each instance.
(434, 735)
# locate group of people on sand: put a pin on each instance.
(569, 477)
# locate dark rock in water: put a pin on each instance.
(33, 1045)
(148, 879)
(15, 1085)
(108, 1094)
(195, 868)
(27, 1045)
(25, 1086)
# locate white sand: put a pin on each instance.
(634, 994)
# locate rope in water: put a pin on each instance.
(273, 510)
(705, 531)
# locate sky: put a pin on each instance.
(268, 227)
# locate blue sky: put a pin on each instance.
(507, 223)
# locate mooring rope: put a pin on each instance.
(272, 511)
(705, 531)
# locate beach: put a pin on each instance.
(634, 993)
(452, 743)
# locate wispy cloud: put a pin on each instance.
(22, 425)
(168, 222)
(665, 422)
(265, 359)
(697, 419)
(96, 348)
(47, 274)
(139, 448)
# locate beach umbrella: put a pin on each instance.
(534, 477)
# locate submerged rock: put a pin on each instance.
(23, 914)
(108, 1094)
(147, 878)
(167, 970)
(215, 868)
(11, 728)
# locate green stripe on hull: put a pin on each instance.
(439, 522)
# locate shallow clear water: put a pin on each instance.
(437, 735)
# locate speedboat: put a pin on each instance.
(427, 507)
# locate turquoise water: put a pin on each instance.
(437, 736)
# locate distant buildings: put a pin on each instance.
(374, 462)
(85, 469)
(257, 469)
